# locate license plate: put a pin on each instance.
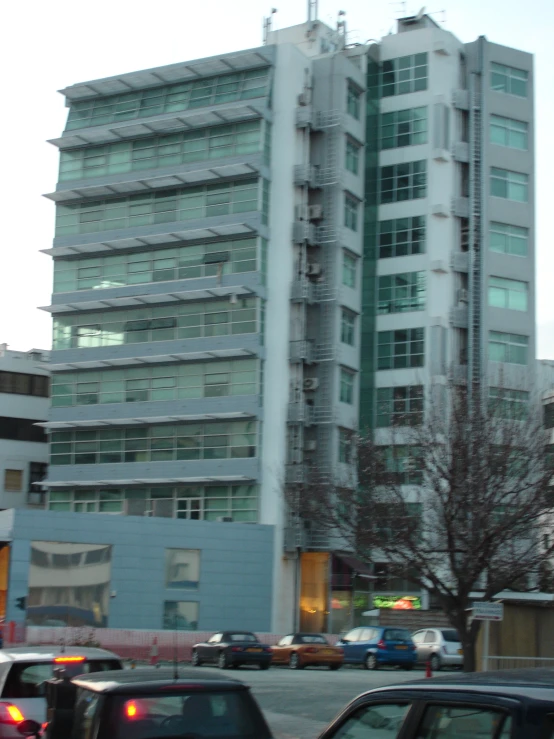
(254, 649)
(327, 651)
(401, 646)
(460, 651)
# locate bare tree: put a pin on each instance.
(458, 502)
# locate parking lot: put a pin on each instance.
(298, 704)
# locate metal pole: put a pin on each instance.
(486, 638)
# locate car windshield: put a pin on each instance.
(242, 637)
(397, 635)
(450, 635)
(313, 639)
(217, 715)
(26, 679)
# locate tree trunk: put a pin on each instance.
(468, 636)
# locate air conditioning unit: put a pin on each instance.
(227, 519)
(313, 269)
(303, 99)
(310, 383)
(315, 212)
(462, 295)
(310, 446)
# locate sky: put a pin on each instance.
(46, 46)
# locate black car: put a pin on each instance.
(151, 704)
(508, 704)
(232, 649)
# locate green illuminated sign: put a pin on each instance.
(397, 602)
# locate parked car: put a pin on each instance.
(306, 650)
(439, 647)
(232, 649)
(23, 671)
(376, 646)
(508, 704)
(151, 704)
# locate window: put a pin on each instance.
(401, 237)
(404, 128)
(468, 722)
(508, 132)
(509, 80)
(345, 446)
(348, 269)
(169, 98)
(511, 404)
(353, 96)
(404, 74)
(510, 348)
(182, 568)
(507, 239)
(407, 181)
(37, 473)
(13, 481)
(377, 720)
(509, 185)
(346, 386)
(352, 156)
(399, 406)
(402, 465)
(22, 429)
(549, 415)
(347, 327)
(180, 615)
(160, 443)
(350, 213)
(26, 679)
(401, 292)
(400, 349)
(18, 383)
(511, 294)
(164, 206)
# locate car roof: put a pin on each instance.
(48, 653)
(145, 681)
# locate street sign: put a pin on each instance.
(487, 611)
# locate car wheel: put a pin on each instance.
(335, 667)
(370, 662)
(294, 662)
(264, 665)
(408, 667)
(223, 662)
(196, 661)
(435, 662)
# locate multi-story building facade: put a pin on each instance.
(24, 402)
(212, 311)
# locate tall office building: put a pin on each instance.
(258, 253)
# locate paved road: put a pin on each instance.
(298, 704)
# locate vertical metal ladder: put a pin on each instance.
(475, 255)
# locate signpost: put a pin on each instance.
(487, 611)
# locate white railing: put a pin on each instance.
(510, 663)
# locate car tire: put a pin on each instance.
(408, 667)
(435, 662)
(370, 662)
(335, 667)
(223, 662)
(264, 665)
(196, 661)
(294, 662)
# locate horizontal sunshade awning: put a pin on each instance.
(148, 184)
(183, 72)
(146, 481)
(160, 125)
(154, 299)
(150, 420)
(198, 356)
(356, 565)
(162, 237)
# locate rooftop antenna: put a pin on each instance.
(341, 23)
(312, 10)
(421, 13)
(267, 25)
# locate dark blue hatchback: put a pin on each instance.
(375, 646)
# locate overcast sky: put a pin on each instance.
(48, 45)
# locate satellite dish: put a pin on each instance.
(421, 13)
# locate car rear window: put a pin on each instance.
(313, 639)
(450, 635)
(26, 679)
(397, 635)
(217, 715)
(242, 637)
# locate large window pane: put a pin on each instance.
(182, 568)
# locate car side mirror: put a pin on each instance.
(29, 728)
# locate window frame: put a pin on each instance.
(413, 336)
(506, 71)
(511, 235)
(404, 181)
(503, 184)
(401, 297)
(398, 76)
(406, 225)
(349, 269)
(348, 326)
(501, 123)
(347, 385)
(351, 212)
(352, 156)
(403, 132)
(511, 346)
(508, 293)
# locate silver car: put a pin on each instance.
(23, 671)
(439, 647)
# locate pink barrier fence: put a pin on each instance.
(129, 644)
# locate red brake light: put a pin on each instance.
(311, 650)
(132, 710)
(10, 714)
(381, 644)
(236, 649)
(68, 660)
